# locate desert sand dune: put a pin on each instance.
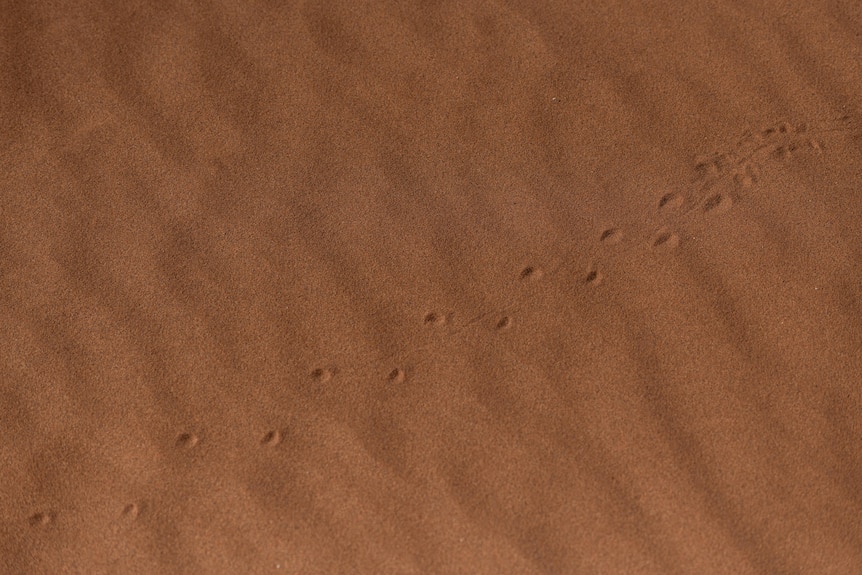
(431, 287)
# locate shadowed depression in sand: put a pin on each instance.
(431, 287)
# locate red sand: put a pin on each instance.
(431, 287)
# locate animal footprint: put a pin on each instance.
(433, 318)
(531, 273)
(323, 374)
(670, 201)
(42, 518)
(131, 511)
(187, 440)
(594, 277)
(611, 236)
(717, 204)
(271, 438)
(664, 240)
(397, 375)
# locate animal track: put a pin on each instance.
(322, 374)
(670, 201)
(737, 168)
(187, 440)
(664, 239)
(740, 166)
(434, 318)
(611, 236)
(717, 203)
(397, 375)
(531, 273)
(42, 518)
(271, 438)
(594, 277)
(774, 143)
(745, 179)
(131, 511)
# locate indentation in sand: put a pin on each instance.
(187, 440)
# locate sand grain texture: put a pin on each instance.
(431, 287)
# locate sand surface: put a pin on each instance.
(431, 287)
